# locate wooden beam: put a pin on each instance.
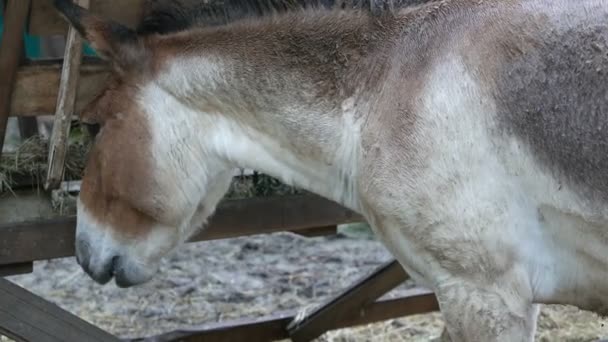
(30, 241)
(15, 269)
(28, 126)
(10, 56)
(263, 329)
(28, 317)
(37, 86)
(317, 231)
(45, 21)
(58, 143)
(272, 328)
(347, 304)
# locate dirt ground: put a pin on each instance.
(254, 276)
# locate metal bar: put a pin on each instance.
(46, 21)
(317, 231)
(10, 55)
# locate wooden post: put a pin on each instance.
(58, 144)
(28, 125)
(10, 55)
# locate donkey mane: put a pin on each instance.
(163, 16)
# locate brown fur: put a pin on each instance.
(115, 186)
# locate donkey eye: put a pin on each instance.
(92, 129)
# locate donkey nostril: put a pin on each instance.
(114, 264)
(83, 252)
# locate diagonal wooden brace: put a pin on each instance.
(58, 144)
(349, 303)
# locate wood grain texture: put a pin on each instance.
(348, 304)
(46, 21)
(37, 86)
(28, 317)
(10, 57)
(54, 238)
(273, 328)
(70, 72)
(15, 269)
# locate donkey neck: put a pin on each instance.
(294, 121)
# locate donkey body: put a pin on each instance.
(470, 134)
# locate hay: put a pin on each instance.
(30, 161)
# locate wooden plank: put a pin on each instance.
(31, 241)
(10, 56)
(28, 126)
(263, 329)
(346, 305)
(37, 86)
(15, 269)
(272, 328)
(58, 143)
(44, 19)
(317, 231)
(32, 318)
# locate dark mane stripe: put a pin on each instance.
(166, 16)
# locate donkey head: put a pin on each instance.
(147, 185)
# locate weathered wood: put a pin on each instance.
(30, 241)
(347, 305)
(28, 126)
(37, 86)
(15, 269)
(317, 231)
(10, 56)
(31, 318)
(45, 20)
(272, 328)
(58, 143)
(269, 328)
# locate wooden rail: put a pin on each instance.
(272, 328)
(29, 241)
(45, 21)
(25, 316)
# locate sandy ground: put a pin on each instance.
(255, 276)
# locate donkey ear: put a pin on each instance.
(111, 40)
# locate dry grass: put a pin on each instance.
(30, 160)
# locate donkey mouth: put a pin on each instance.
(113, 270)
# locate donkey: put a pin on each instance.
(165, 16)
(470, 134)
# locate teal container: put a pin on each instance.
(32, 43)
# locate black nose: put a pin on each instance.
(101, 271)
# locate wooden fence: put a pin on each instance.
(62, 87)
